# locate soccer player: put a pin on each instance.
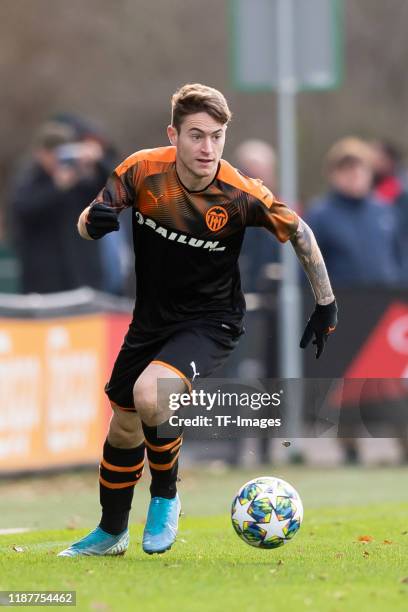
(190, 209)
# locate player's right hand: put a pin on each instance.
(101, 220)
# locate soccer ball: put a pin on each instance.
(266, 512)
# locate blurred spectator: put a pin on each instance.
(257, 159)
(69, 166)
(390, 188)
(388, 183)
(357, 236)
(260, 251)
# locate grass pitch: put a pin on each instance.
(351, 552)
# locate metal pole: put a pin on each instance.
(289, 316)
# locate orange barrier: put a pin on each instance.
(53, 411)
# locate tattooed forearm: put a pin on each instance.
(310, 257)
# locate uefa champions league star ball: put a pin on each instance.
(267, 512)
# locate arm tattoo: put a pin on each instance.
(310, 257)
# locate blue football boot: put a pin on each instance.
(98, 543)
(161, 524)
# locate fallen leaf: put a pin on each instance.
(73, 522)
(365, 538)
(323, 577)
(404, 533)
(339, 555)
(405, 580)
(99, 605)
(366, 553)
(387, 542)
(280, 562)
(18, 548)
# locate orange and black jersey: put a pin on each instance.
(187, 243)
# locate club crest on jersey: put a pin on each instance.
(216, 218)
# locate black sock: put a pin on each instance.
(120, 470)
(162, 454)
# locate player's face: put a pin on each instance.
(200, 143)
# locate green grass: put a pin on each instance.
(324, 569)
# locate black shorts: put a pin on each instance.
(197, 350)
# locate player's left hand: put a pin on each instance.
(322, 322)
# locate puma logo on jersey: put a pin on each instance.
(154, 197)
(216, 218)
(195, 373)
(210, 245)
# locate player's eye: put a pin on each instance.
(196, 136)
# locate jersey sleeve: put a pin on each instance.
(264, 210)
(122, 186)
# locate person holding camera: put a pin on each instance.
(46, 199)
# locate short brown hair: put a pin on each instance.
(348, 150)
(52, 134)
(196, 98)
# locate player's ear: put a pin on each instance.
(172, 134)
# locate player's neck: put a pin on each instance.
(192, 182)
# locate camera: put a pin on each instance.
(70, 154)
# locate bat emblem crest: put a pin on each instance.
(216, 218)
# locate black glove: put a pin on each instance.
(101, 220)
(322, 323)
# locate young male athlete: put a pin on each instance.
(190, 210)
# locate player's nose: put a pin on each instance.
(207, 146)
